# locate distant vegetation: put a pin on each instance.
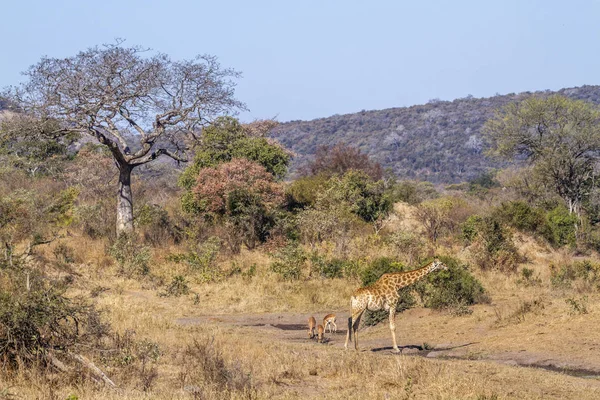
(440, 141)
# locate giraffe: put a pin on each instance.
(383, 294)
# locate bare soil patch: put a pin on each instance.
(292, 327)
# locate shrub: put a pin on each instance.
(453, 288)
(470, 227)
(486, 180)
(521, 216)
(202, 261)
(206, 374)
(528, 278)
(64, 253)
(526, 307)
(331, 222)
(226, 139)
(96, 220)
(176, 288)
(407, 245)
(242, 196)
(134, 359)
(304, 191)
(577, 307)
(289, 262)
(440, 216)
(36, 317)
(156, 226)
(413, 192)
(333, 268)
(564, 275)
(61, 209)
(368, 199)
(132, 258)
(561, 227)
(341, 158)
(493, 247)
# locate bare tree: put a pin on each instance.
(140, 105)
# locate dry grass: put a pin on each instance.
(266, 362)
(286, 370)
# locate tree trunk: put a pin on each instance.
(124, 201)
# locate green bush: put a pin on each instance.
(289, 262)
(413, 192)
(470, 227)
(226, 139)
(61, 210)
(560, 227)
(333, 268)
(452, 288)
(521, 216)
(486, 180)
(304, 191)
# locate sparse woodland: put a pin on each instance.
(99, 303)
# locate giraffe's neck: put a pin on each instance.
(403, 279)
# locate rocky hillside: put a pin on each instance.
(439, 141)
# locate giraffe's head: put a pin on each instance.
(437, 264)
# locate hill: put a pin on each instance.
(439, 141)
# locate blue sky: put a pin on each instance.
(310, 59)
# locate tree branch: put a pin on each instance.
(156, 154)
(125, 114)
(112, 146)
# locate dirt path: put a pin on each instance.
(291, 327)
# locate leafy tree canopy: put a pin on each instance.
(558, 136)
(227, 139)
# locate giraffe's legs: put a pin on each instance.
(393, 327)
(355, 329)
(353, 323)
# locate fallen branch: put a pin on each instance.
(92, 367)
(96, 373)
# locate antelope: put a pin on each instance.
(320, 332)
(328, 321)
(312, 323)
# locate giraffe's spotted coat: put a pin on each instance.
(383, 295)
